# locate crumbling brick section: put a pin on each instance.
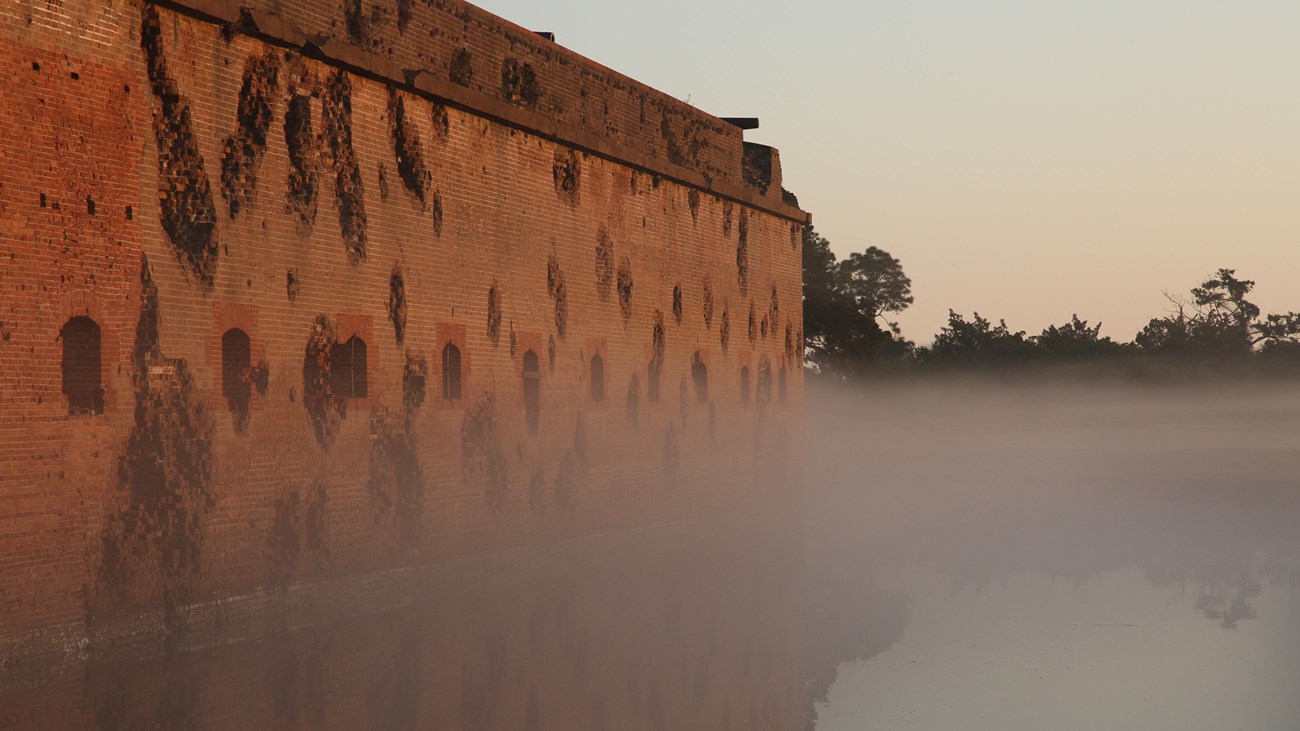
(349, 192)
(559, 292)
(304, 152)
(151, 545)
(325, 411)
(519, 83)
(242, 152)
(189, 214)
(604, 262)
(397, 304)
(406, 146)
(625, 287)
(566, 172)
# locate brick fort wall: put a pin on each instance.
(298, 291)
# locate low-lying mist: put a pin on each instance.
(1019, 500)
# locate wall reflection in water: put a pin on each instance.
(704, 637)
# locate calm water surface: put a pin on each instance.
(1047, 558)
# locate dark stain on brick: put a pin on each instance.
(677, 303)
(537, 492)
(672, 459)
(693, 200)
(189, 214)
(774, 309)
(604, 262)
(494, 314)
(707, 302)
(634, 401)
(519, 83)
(304, 153)
(551, 352)
(753, 324)
(728, 212)
(437, 214)
(724, 328)
(657, 354)
(566, 172)
(566, 483)
(559, 292)
(763, 384)
(358, 25)
(291, 285)
(404, 14)
(396, 481)
(406, 146)
(383, 182)
(683, 400)
(397, 304)
(483, 462)
(789, 340)
(164, 476)
(795, 235)
(462, 67)
(242, 152)
(742, 252)
(441, 120)
(324, 410)
(764, 325)
(349, 191)
(415, 377)
(625, 287)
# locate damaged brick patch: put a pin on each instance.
(494, 315)
(742, 253)
(304, 152)
(188, 211)
(724, 328)
(324, 410)
(406, 147)
(483, 462)
(397, 304)
(462, 67)
(625, 287)
(604, 262)
(415, 378)
(152, 541)
(677, 303)
(519, 83)
(559, 293)
(349, 191)
(566, 172)
(707, 302)
(242, 152)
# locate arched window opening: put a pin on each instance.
(348, 371)
(82, 366)
(744, 387)
(700, 374)
(597, 378)
(780, 385)
(532, 391)
(236, 359)
(451, 372)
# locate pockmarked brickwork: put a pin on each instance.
(297, 292)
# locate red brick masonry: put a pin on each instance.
(270, 220)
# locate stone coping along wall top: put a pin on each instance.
(464, 56)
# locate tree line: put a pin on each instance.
(850, 329)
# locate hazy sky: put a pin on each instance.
(1027, 159)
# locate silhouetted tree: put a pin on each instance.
(844, 304)
(977, 342)
(1076, 340)
(1218, 321)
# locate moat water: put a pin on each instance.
(967, 558)
(1049, 558)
